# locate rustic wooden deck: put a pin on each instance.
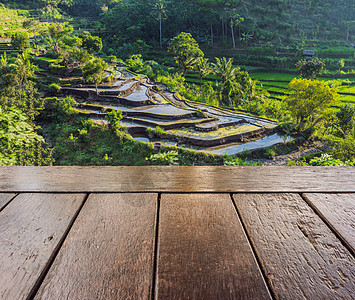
(177, 233)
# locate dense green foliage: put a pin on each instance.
(94, 71)
(16, 85)
(19, 143)
(310, 68)
(308, 102)
(186, 51)
(235, 35)
(20, 41)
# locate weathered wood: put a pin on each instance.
(177, 179)
(338, 211)
(203, 252)
(301, 256)
(5, 199)
(32, 227)
(109, 251)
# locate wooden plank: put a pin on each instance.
(108, 253)
(5, 199)
(177, 179)
(32, 227)
(301, 256)
(203, 252)
(338, 211)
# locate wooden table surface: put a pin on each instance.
(177, 233)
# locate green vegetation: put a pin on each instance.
(19, 143)
(186, 51)
(239, 55)
(94, 71)
(310, 68)
(309, 102)
(20, 41)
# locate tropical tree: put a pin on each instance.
(309, 102)
(16, 87)
(224, 69)
(78, 55)
(310, 68)
(159, 11)
(229, 92)
(186, 51)
(94, 71)
(246, 37)
(349, 24)
(234, 20)
(24, 68)
(20, 41)
(56, 32)
(202, 67)
(91, 43)
(19, 143)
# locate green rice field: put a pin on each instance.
(276, 83)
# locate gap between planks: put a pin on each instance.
(313, 206)
(46, 269)
(257, 258)
(6, 202)
(156, 246)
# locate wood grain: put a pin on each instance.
(301, 256)
(203, 252)
(5, 199)
(177, 179)
(109, 251)
(32, 226)
(338, 211)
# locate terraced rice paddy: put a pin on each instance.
(140, 94)
(165, 110)
(257, 144)
(216, 134)
(277, 85)
(187, 125)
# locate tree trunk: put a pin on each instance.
(97, 91)
(200, 80)
(211, 35)
(222, 29)
(185, 70)
(233, 37)
(161, 34)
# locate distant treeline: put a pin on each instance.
(229, 23)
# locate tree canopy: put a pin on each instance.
(186, 51)
(309, 101)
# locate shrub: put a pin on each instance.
(236, 161)
(328, 160)
(115, 118)
(54, 88)
(19, 143)
(20, 41)
(164, 158)
(57, 109)
(157, 131)
(135, 62)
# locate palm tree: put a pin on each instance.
(159, 11)
(24, 67)
(224, 69)
(202, 67)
